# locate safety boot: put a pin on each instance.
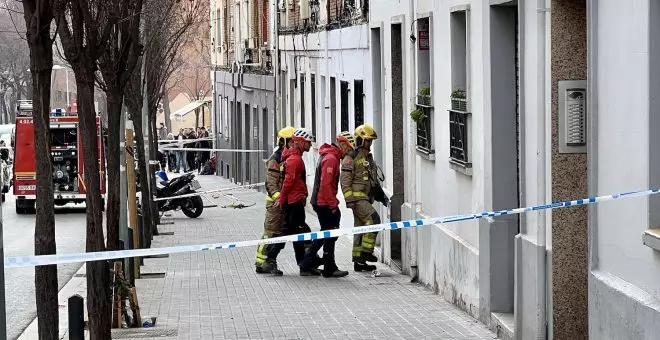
(310, 272)
(271, 268)
(363, 267)
(260, 270)
(335, 273)
(366, 257)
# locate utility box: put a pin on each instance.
(572, 104)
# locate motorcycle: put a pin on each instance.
(191, 206)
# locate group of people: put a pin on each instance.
(184, 161)
(347, 163)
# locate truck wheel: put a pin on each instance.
(31, 208)
(102, 204)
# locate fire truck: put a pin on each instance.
(65, 152)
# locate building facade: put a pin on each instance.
(243, 86)
(483, 105)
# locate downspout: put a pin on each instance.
(275, 22)
(416, 208)
(328, 104)
(543, 32)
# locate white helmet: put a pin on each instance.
(303, 134)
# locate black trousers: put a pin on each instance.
(328, 219)
(294, 223)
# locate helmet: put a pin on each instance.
(303, 134)
(346, 137)
(365, 131)
(284, 134)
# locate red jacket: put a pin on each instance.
(294, 187)
(326, 181)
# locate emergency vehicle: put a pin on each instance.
(65, 151)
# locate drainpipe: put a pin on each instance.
(543, 32)
(328, 104)
(275, 22)
(414, 271)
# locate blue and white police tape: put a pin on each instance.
(210, 150)
(210, 191)
(32, 261)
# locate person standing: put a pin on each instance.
(181, 164)
(293, 198)
(361, 187)
(325, 203)
(274, 216)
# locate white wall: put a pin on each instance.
(348, 59)
(623, 143)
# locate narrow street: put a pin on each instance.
(18, 236)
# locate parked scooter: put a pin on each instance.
(192, 206)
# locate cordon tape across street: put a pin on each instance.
(33, 261)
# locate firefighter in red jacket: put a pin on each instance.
(326, 204)
(273, 218)
(293, 198)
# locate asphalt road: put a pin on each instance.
(19, 240)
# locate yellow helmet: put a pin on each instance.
(364, 132)
(284, 134)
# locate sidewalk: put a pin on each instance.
(217, 294)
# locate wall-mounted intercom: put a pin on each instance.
(572, 104)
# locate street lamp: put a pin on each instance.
(66, 69)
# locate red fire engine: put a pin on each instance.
(66, 153)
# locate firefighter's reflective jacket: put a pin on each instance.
(274, 177)
(358, 176)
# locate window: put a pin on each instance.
(458, 133)
(302, 100)
(424, 130)
(313, 80)
(218, 25)
(359, 102)
(459, 123)
(343, 90)
(333, 106)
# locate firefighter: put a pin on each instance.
(361, 187)
(325, 202)
(273, 219)
(292, 199)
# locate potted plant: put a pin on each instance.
(458, 100)
(424, 97)
(417, 115)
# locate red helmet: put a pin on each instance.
(346, 137)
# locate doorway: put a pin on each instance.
(500, 234)
(398, 155)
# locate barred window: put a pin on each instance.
(458, 134)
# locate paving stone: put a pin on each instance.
(217, 294)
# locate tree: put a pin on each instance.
(38, 15)
(84, 28)
(15, 79)
(117, 65)
(192, 76)
(166, 25)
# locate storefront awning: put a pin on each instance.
(190, 107)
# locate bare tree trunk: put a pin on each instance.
(113, 108)
(167, 112)
(38, 16)
(144, 178)
(99, 308)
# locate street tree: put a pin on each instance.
(166, 27)
(38, 15)
(116, 66)
(15, 79)
(84, 28)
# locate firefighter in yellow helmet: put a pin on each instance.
(361, 187)
(274, 179)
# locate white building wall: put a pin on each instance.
(346, 52)
(624, 284)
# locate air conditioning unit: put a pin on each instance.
(304, 9)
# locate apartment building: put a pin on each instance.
(243, 85)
